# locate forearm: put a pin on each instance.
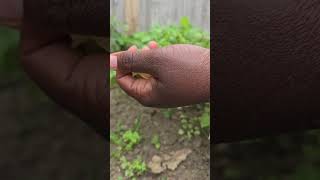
(266, 69)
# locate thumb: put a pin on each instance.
(139, 61)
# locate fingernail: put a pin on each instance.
(133, 48)
(153, 44)
(145, 48)
(113, 62)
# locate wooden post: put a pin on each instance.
(132, 15)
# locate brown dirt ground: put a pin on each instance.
(125, 109)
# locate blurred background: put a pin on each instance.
(294, 156)
(38, 139)
(141, 15)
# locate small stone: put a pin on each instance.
(156, 159)
(170, 161)
(155, 165)
(176, 158)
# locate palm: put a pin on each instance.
(74, 81)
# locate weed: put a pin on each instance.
(156, 141)
(131, 138)
(137, 123)
(195, 125)
(115, 139)
(133, 168)
(205, 118)
(112, 78)
(168, 113)
(125, 139)
(189, 126)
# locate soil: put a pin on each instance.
(125, 109)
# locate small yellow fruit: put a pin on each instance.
(142, 75)
(146, 76)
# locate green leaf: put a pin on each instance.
(115, 139)
(184, 22)
(205, 120)
(156, 141)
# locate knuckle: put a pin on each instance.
(125, 60)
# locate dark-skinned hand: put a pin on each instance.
(76, 82)
(180, 75)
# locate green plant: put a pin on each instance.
(118, 34)
(183, 33)
(195, 125)
(137, 124)
(125, 139)
(156, 141)
(168, 113)
(133, 168)
(115, 139)
(131, 138)
(189, 126)
(205, 117)
(112, 78)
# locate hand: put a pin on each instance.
(180, 75)
(75, 81)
